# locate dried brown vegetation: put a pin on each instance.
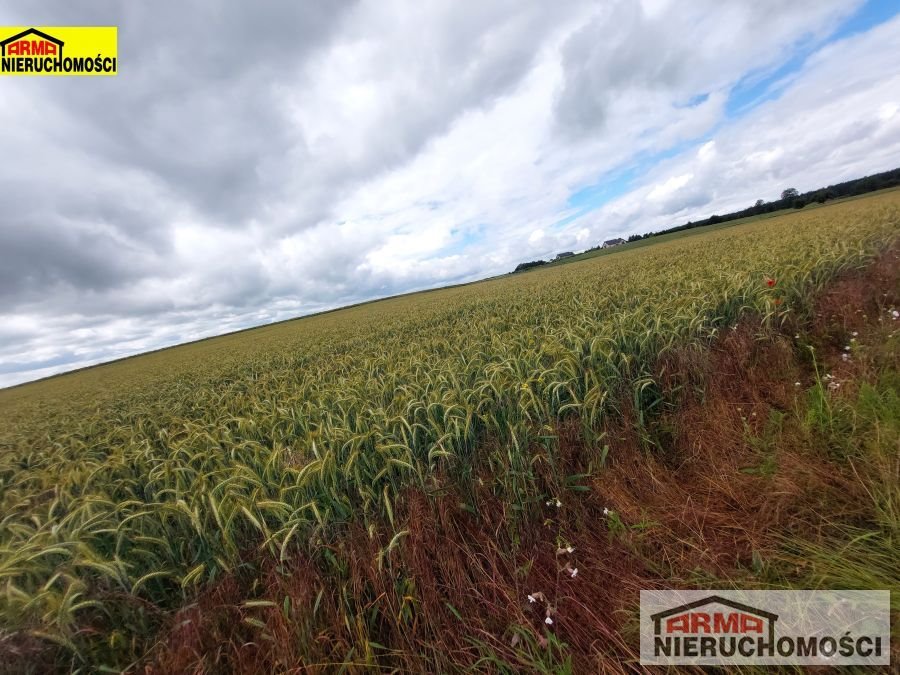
(697, 495)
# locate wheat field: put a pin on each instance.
(136, 483)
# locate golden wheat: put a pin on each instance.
(149, 477)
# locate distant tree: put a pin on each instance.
(792, 198)
(529, 265)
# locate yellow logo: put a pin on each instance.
(59, 50)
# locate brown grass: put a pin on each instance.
(696, 509)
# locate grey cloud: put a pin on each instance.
(197, 112)
(619, 48)
(202, 189)
(685, 202)
(195, 103)
(38, 256)
(24, 366)
(687, 50)
(827, 127)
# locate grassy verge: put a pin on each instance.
(385, 487)
(771, 462)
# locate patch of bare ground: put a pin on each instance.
(724, 474)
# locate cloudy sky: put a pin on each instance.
(274, 159)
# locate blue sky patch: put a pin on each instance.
(756, 88)
(751, 91)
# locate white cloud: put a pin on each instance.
(830, 125)
(887, 110)
(707, 151)
(392, 147)
(669, 187)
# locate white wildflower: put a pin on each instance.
(847, 348)
(796, 384)
(845, 357)
(605, 511)
(531, 599)
(548, 621)
(855, 333)
(895, 314)
(558, 503)
(574, 572)
(570, 549)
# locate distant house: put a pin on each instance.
(565, 254)
(613, 242)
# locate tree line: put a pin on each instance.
(791, 198)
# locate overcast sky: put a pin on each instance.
(278, 158)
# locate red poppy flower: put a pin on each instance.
(770, 282)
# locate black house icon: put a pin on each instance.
(770, 617)
(31, 31)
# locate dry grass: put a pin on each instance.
(380, 483)
(454, 595)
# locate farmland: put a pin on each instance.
(314, 448)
